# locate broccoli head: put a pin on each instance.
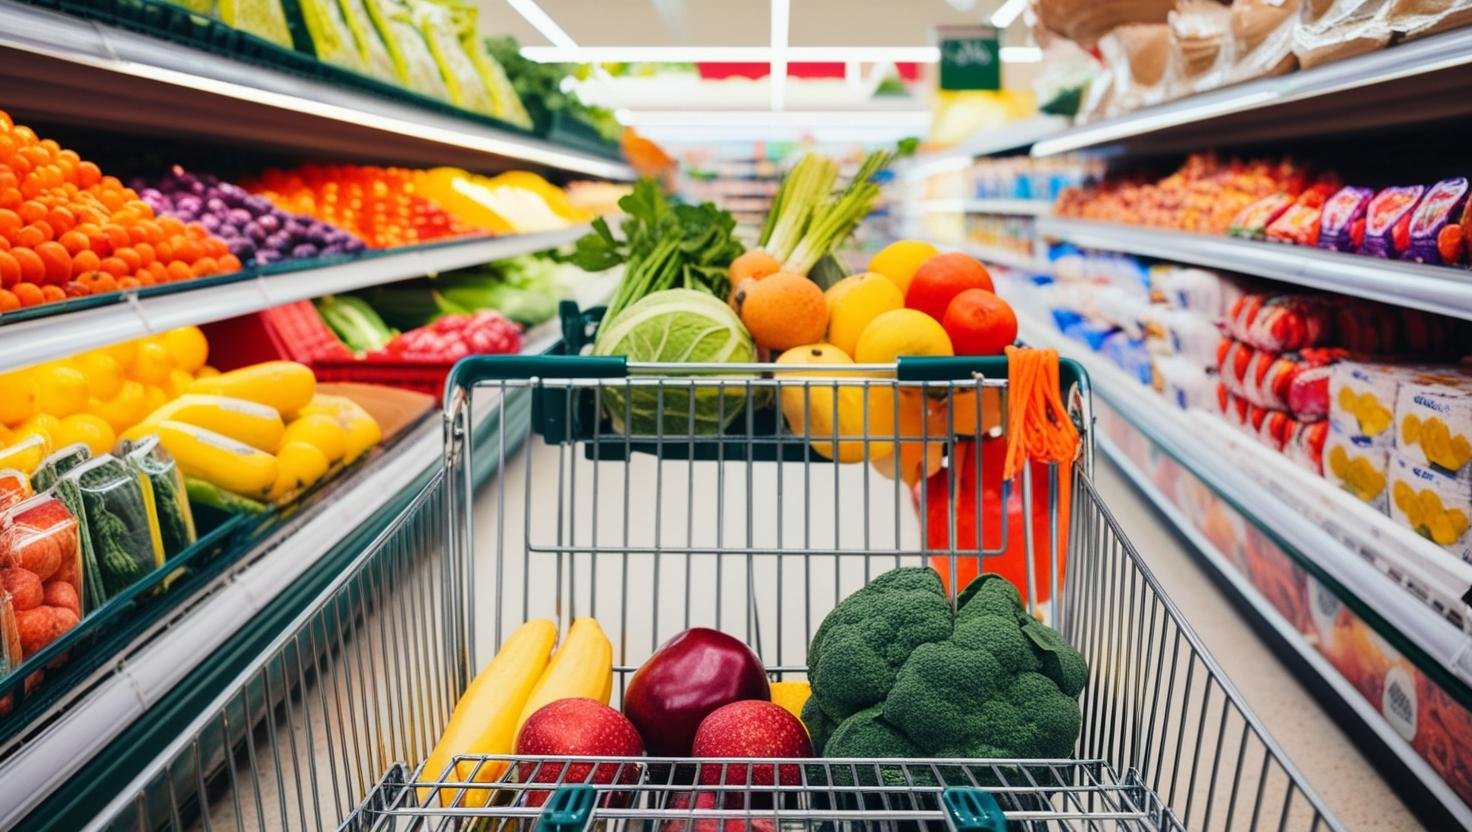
(895, 673)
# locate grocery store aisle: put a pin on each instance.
(1343, 777)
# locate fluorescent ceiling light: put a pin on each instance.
(539, 20)
(770, 118)
(1021, 54)
(730, 54)
(1008, 12)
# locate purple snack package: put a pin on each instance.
(1389, 207)
(1341, 211)
(1441, 205)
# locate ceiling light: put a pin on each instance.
(1008, 12)
(539, 20)
(729, 54)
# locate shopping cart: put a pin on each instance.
(734, 521)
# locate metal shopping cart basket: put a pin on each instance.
(678, 518)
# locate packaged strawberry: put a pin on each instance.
(1388, 220)
(41, 569)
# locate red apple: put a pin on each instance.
(750, 729)
(576, 728)
(707, 800)
(691, 675)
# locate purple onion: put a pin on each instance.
(266, 257)
(238, 216)
(303, 251)
(268, 222)
(211, 222)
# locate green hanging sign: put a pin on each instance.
(970, 58)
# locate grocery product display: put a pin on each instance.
(426, 413)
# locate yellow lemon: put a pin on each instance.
(901, 332)
(104, 374)
(17, 397)
(791, 696)
(321, 432)
(207, 372)
(820, 408)
(124, 352)
(899, 260)
(124, 410)
(187, 347)
(152, 363)
(43, 425)
(25, 452)
(177, 383)
(298, 466)
(89, 429)
(154, 397)
(61, 390)
(854, 302)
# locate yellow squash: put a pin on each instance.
(484, 721)
(256, 425)
(582, 668)
(361, 431)
(219, 460)
(284, 385)
(322, 432)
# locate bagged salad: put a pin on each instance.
(121, 540)
(332, 39)
(153, 463)
(441, 28)
(377, 62)
(53, 466)
(413, 62)
(41, 570)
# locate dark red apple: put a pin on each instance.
(750, 729)
(691, 675)
(576, 728)
(707, 800)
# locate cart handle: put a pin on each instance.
(569, 809)
(972, 810)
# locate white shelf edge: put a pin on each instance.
(1439, 638)
(1347, 693)
(33, 341)
(130, 54)
(1440, 289)
(1015, 136)
(998, 206)
(1439, 52)
(1001, 257)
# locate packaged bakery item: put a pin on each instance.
(1388, 220)
(14, 487)
(1433, 421)
(122, 542)
(1342, 222)
(1441, 208)
(1432, 504)
(1329, 30)
(1199, 30)
(1086, 21)
(1361, 468)
(1252, 222)
(1418, 18)
(41, 567)
(171, 503)
(1137, 56)
(1262, 38)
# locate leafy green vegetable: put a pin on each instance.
(539, 85)
(664, 246)
(806, 222)
(354, 321)
(175, 521)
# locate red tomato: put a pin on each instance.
(979, 323)
(941, 278)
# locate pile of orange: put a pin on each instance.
(68, 231)
(377, 204)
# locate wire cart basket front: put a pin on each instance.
(699, 504)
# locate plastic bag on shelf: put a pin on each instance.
(1183, 382)
(122, 542)
(1418, 18)
(170, 500)
(413, 63)
(1433, 421)
(14, 487)
(53, 466)
(377, 62)
(1137, 55)
(1262, 38)
(41, 568)
(263, 18)
(1441, 212)
(1388, 220)
(1202, 291)
(1280, 323)
(441, 29)
(1087, 22)
(332, 39)
(1342, 222)
(1199, 31)
(1329, 30)
(1181, 332)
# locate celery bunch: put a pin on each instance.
(807, 221)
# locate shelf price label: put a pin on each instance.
(970, 58)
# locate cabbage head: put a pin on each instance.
(677, 326)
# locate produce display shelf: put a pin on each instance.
(1014, 137)
(43, 335)
(1415, 82)
(1003, 257)
(65, 68)
(1386, 573)
(1440, 289)
(1003, 207)
(121, 690)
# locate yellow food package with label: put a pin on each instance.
(1433, 421)
(1434, 505)
(1362, 399)
(1357, 466)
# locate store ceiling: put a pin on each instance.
(734, 22)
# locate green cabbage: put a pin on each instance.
(677, 326)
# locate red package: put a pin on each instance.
(1300, 223)
(1305, 445)
(1295, 382)
(1253, 221)
(1281, 323)
(41, 569)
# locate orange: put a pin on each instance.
(32, 269)
(85, 261)
(129, 283)
(52, 294)
(170, 226)
(104, 282)
(784, 310)
(229, 264)
(73, 241)
(129, 256)
(10, 223)
(30, 236)
(9, 269)
(88, 174)
(204, 266)
(179, 270)
(57, 261)
(116, 235)
(61, 219)
(31, 210)
(29, 294)
(114, 266)
(8, 300)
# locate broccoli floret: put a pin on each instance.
(986, 682)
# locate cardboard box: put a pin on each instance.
(1436, 506)
(1433, 421)
(1358, 465)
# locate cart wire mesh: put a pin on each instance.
(659, 527)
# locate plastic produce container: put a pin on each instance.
(14, 487)
(25, 456)
(54, 466)
(41, 570)
(153, 463)
(121, 534)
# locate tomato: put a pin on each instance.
(941, 278)
(979, 323)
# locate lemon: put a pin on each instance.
(124, 410)
(25, 452)
(152, 363)
(207, 372)
(177, 383)
(901, 332)
(154, 397)
(123, 352)
(103, 372)
(43, 425)
(321, 432)
(899, 260)
(854, 302)
(791, 696)
(187, 347)
(61, 390)
(89, 429)
(820, 409)
(17, 397)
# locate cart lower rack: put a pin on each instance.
(702, 509)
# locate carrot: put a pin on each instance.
(1038, 427)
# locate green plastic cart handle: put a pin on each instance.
(972, 810)
(963, 367)
(569, 809)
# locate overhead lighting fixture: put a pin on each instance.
(533, 14)
(781, 13)
(1008, 12)
(1021, 54)
(730, 54)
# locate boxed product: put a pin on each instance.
(1183, 382)
(1362, 398)
(53, 466)
(41, 568)
(1358, 466)
(1433, 419)
(1198, 290)
(121, 541)
(1181, 332)
(1432, 504)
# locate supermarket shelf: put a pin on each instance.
(1437, 289)
(1005, 207)
(1411, 83)
(1383, 565)
(134, 315)
(69, 69)
(1002, 257)
(1012, 137)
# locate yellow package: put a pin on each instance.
(1358, 466)
(1433, 420)
(377, 62)
(1362, 400)
(262, 18)
(415, 66)
(1432, 504)
(332, 39)
(440, 27)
